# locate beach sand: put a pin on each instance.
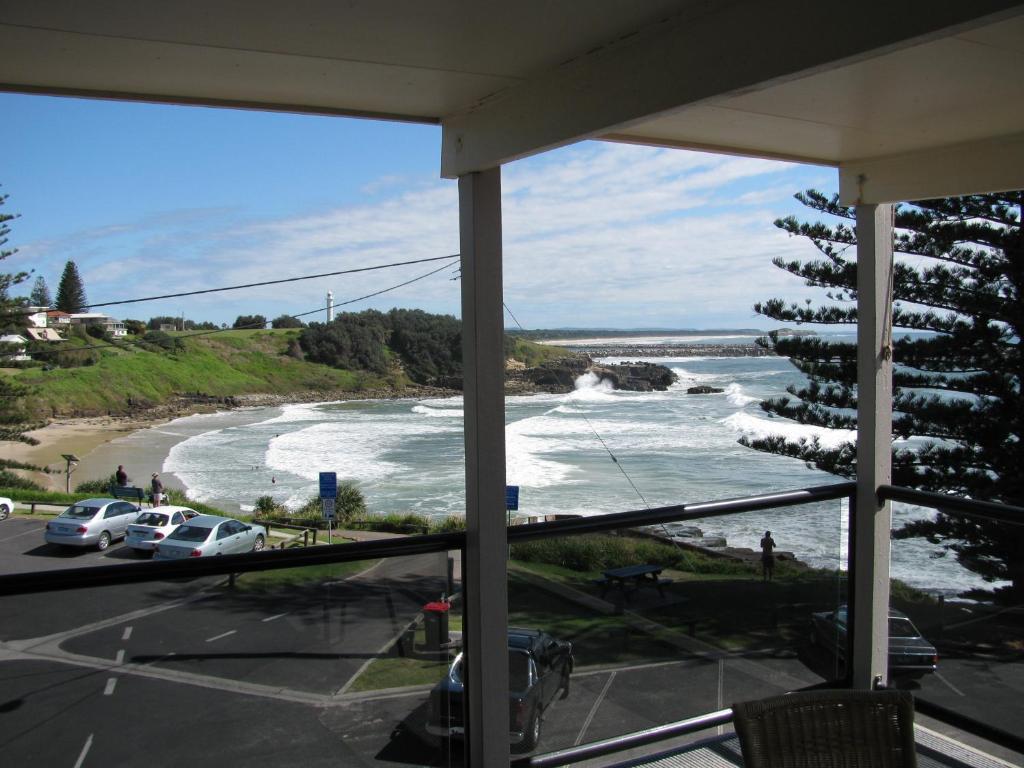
(98, 443)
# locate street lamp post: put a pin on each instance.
(72, 461)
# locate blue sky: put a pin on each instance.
(151, 199)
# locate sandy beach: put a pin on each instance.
(98, 444)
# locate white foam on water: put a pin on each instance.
(524, 462)
(353, 445)
(734, 394)
(751, 426)
(437, 413)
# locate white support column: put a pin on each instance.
(874, 437)
(485, 580)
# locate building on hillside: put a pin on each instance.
(36, 317)
(43, 334)
(58, 319)
(110, 325)
(17, 343)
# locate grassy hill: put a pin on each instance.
(119, 377)
(125, 377)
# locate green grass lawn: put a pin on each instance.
(284, 578)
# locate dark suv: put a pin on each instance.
(538, 667)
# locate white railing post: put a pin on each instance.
(485, 581)
(870, 609)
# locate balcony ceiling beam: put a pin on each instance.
(712, 51)
(990, 165)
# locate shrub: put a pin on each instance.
(10, 480)
(265, 505)
(97, 486)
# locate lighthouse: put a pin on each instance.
(330, 307)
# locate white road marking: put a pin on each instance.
(222, 634)
(593, 709)
(119, 659)
(952, 687)
(23, 533)
(84, 752)
(162, 658)
(271, 618)
(111, 685)
(127, 633)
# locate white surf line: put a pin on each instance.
(119, 659)
(127, 633)
(271, 618)
(84, 752)
(593, 709)
(951, 687)
(222, 634)
(111, 685)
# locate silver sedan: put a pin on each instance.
(91, 523)
(209, 535)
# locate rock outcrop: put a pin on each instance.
(704, 389)
(559, 376)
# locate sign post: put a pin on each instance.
(511, 502)
(328, 494)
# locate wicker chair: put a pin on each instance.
(828, 729)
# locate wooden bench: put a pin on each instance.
(128, 492)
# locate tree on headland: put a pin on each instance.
(250, 321)
(958, 408)
(287, 321)
(40, 296)
(71, 290)
(14, 421)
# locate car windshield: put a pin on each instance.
(152, 518)
(901, 627)
(190, 533)
(78, 512)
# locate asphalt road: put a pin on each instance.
(170, 672)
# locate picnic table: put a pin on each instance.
(630, 578)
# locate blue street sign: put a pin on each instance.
(511, 497)
(328, 485)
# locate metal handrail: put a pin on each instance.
(626, 741)
(680, 512)
(989, 510)
(267, 560)
(109, 575)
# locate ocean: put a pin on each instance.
(668, 447)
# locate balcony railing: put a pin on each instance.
(325, 651)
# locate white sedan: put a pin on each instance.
(153, 525)
(208, 535)
(6, 507)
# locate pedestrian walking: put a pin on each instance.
(157, 489)
(767, 556)
(121, 477)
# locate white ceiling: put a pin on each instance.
(865, 90)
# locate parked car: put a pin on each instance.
(910, 655)
(6, 507)
(208, 535)
(92, 522)
(153, 525)
(538, 667)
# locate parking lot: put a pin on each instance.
(193, 670)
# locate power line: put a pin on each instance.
(276, 282)
(251, 326)
(450, 257)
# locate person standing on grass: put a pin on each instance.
(121, 477)
(158, 490)
(767, 556)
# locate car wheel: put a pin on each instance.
(104, 541)
(532, 735)
(5, 511)
(257, 546)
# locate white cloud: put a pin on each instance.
(597, 234)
